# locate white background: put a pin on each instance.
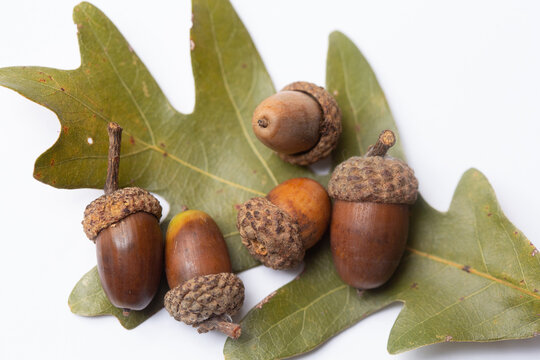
(462, 79)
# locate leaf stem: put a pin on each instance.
(386, 140)
(113, 164)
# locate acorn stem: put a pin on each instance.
(230, 329)
(386, 140)
(113, 164)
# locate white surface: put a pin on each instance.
(462, 79)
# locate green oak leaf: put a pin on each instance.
(208, 160)
(467, 274)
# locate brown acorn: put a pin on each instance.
(204, 291)
(370, 218)
(302, 123)
(278, 229)
(124, 224)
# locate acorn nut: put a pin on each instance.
(204, 292)
(302, 123)
(124, 224)
(278, 229)
(370, 218)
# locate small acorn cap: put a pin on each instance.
(207, 302)
(111, 208)
(270, 234)
(329, 128)
(375, 177)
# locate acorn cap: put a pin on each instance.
(329, 129)
(374, 179)
(203, 297)
(109, 209)
(270, 234)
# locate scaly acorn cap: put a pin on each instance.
(375, 177)
(109, 209)
(203, 297)
(270, 234)
(329, 128)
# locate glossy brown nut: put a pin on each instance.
(130, 260)
(288, 122)
(308, 203)
(194, 247)
(367, 241)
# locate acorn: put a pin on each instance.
(302, 123)
(370, 218)
(124, 224)
(278, 229)
(204, 291)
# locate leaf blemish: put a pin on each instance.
(466, 268)
(52, 162)
(132, 140)
(448, 338)
(265, 300)
(489, 214)
(461, 298)
(62, 89)
(90, 141)
(414, 285)
(534, 252)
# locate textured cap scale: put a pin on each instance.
(203, 297)
(374, 179)
(270, 234)
(109, 209)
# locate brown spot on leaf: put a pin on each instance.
(466, 268)
(52, 162)
(62, 89)
(37, 175)
(165, 154)
(65, 129)
(219, 191)
(132, 140)
(535, 290)
(42, 80)
(237, 206)
(489, 214)
(414, 285)
(162, 145)
(265, 300)
(448, 338)
(357, 128)
(461, 298)
(244, 66)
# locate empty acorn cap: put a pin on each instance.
(374, 179)
(329, 129)
(270, 234)
(203, 297)
(109, 209)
